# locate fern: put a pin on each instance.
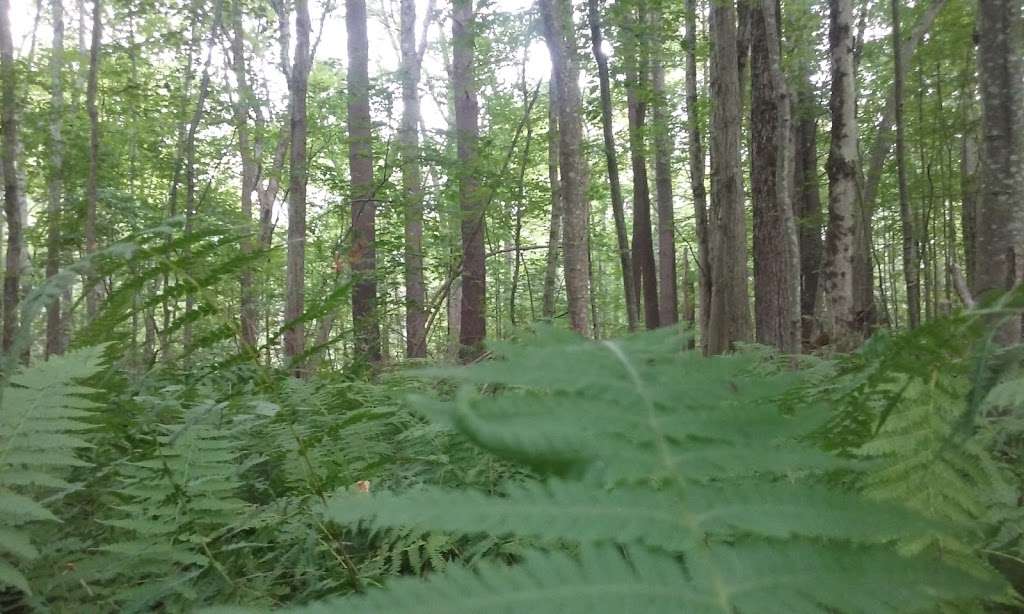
(42, 416)
(695, 468)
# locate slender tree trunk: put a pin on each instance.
(54, 334)
(969, 171)
(412, 185)
(14, 198)
(729, 320)
(473, 328)
(612, 163)
(1000, 222)
(248, 315)
(689, 310)
(668, 293)
(191, 203)
(94, 292)
(558, 27)
(776, 257)
(842, 180)
(697, 188)
(637, 69)
(555, 228)
(910, 264)
(294, 335)
(363, 254)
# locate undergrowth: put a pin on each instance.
(561, 475)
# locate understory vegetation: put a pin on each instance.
(557, 475)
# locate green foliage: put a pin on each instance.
(43, 414)
(676, 483)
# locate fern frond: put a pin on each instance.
(41, 421)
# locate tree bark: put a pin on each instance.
(93, 293)
(842, 180)
(697, 188)
(807, 192)
(55, 205)
(248, 316)
(910, 263)
(559, 32)
(637, 69)
(612, 163)
(729, 319)
(1000, 227)
(363, 254)
(473, 327)
(14, 198)
(668, 293)
(412, 184)
(969, 172)
(294, 335)
(776, 257)
(555, 228)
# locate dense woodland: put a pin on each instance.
(592, 306)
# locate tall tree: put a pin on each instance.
(560, 34)
(612, 162)
(1000, 221)
(92, 296)
(910, 263)
(776, 257)
(729, 319)
(555, 225)
(668, 292)
(363, 253)
(248, 316)
(842, 179)
(473, 325)
(14, 198)
(55, 187)
(697, 188)
(294, 335)
(637, 68)
(191, 154)
(807, 205)
(412, 179)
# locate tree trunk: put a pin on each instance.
(637, 68)
(412, 185)
(294, 335)
(248, 316)
(808, 206)
(191, 204)
(842, 180)
(969, 172)
(697, 188)
(473, 327)
(1000, 234)
(729, 319)
(93, 293)
(14, 198)
(559, 32)
(555, 228)
(54, 334)
(668, 293)
(776, 257)
(363, 254)
(910, 263)
(612, 163)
